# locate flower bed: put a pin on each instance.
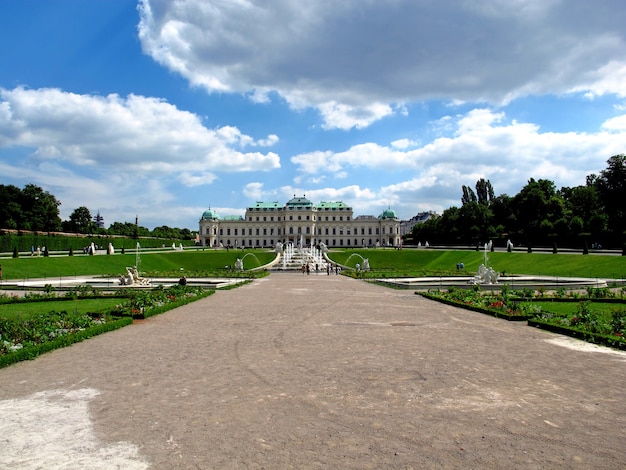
(584, 319)
(499, 305)
(22, 339)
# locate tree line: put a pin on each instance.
(539, 215)
(34, 209)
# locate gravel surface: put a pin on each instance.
(296, 371)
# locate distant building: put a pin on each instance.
(407, 225)
(331, 223)
(99, 220)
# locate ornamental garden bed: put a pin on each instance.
(599, 316)
(37, 323)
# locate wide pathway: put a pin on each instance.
(296, 371)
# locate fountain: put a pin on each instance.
(485, 275)
(239, 261)
(365, 264)
(137, 256)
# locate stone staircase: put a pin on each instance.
(294, 261)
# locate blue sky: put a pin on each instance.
(162, 109)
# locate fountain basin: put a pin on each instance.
(513, 282)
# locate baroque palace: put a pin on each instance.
(267, 223)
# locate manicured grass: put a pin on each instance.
(408, 263)
(201, 262)
(383, 262)
(25, 310)
(571, 308)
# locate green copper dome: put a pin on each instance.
(210, 215)
(388, 214)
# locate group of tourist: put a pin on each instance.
(306, 268)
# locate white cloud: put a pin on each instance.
(357, 62)
(254, 191)
(404, 143)
(123, 134)
(482, 145)
(191, 180)
(342, 116)
(617, 124)
(123, 156)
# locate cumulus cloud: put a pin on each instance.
(116, 153)
(357, 62)
(480, 144)
(132, 133)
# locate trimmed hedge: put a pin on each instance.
(172, 305)
(595, 338)
(31, 352)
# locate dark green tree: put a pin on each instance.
(611, 186)
(80, 221)
(532, 206)
(40, 209)
(468, 195)
(11, 215)
(484, 192)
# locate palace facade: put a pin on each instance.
(331, 223)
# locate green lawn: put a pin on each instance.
(25, 310)
(383, 262)
(424, 262)
(193, 262)
(570, 308)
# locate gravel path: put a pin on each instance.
(296, 371)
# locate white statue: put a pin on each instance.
(485, 276)
(366, 265)
(239, 265)
(132, 277)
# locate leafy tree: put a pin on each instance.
(484, 192)
(80, 221)
(468, 195)
(128, 229)
(502, 210)
(474, 221)
(31, 208)
(10, 210)
(532, 206)
(611, 187)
